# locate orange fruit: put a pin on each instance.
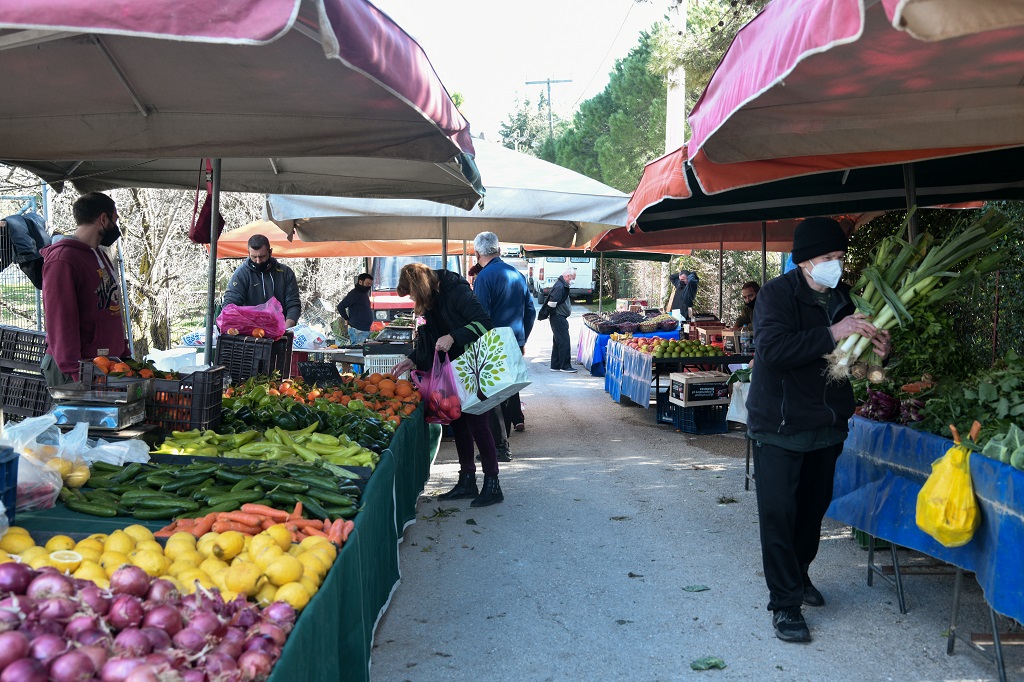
(258, 333)
(146, 373)
(386, 384)
(403, 389)
(370, 389)
(120, 367)
(375, 378)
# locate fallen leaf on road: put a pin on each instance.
(696, 588)
(623, 622)
(631, 574)
(619, 518)
(470, 522)
(727, 500)
(707, 663)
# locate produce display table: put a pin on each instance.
(591, 347)
(878, 477)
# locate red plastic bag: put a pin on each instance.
(267, 316)
(202, 218)
(439, 391)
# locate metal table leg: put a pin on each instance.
(896, 579)
(749, 477)
(996, 655)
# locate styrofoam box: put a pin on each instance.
(693, 389)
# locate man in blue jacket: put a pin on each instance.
(261, 277)
(502, 291)
(356, 311)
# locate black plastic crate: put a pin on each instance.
(21, 348)
(194, 402)
(247, 356)
(23, 395)
(702, 420)
(666, 410)
(863, 538)
(93, 379)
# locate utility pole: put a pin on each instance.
(551, 124)
(675, 97)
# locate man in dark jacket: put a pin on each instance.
(797, 416)
(749, 294)
(355, 310)
(684, 285)
(261, 277)
(561, 308)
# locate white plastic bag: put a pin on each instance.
(118, 452)
(35, 440)
(196, 337)
(307, 338)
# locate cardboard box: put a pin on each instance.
(710, 333)
(693, 389)
(731, 341)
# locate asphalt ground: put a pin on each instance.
(587, 571)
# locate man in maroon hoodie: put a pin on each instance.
(81, 295)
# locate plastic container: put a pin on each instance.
(135, 388)
(174, 359)
(247, 356)
(702, 420)
(862, 540)
(666, 409)
(23, 395)
(8, 480)
(194, 402)
(112, 417)
(21, 348)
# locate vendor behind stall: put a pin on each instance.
(749, 294)
(81, 295)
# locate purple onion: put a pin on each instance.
(130, 580)
(158, 639)
(265, 629)
(245, 617)
(9, 620)
(73, 666)
(96, 599)
(38, 628)
(118, 669)
(93, 636)
(159, 660)
(132, 642)
(166, 618)
(162, 591)
(97, 654)
(55, 608)
(24, 670)
(144, 673)
(206, 622)
(194, 675)
(280, 613)
(125, 611)
(47, 584)
(47, 647)
(15, 578)
(13, 646)
(80, 624)
(260, 643)
(217, 663)
(190, 640)
(232, 649)
(255, 665)
(19, 603)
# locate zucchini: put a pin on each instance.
(105, 467)
(157, 514)
(67, 493)
(230, 505)
(312, 506)
(91, 508)
(230, 475)
(185, 481)
(247, 483)
(342, 512)
(280, 497)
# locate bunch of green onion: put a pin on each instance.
(906, 277)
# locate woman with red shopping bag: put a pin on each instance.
(453, 319)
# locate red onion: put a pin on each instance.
(255, 665)
(162, 591)
(245, 617)
(206, 622)
(117, 669)
(216, 663)
(15, 577)
(13, 645)
(165, 617)
(47, 584)
(73, 666)
(190, 640)
(96, 599)
(159, 660)
(93, 636)
(193, 675)
(144, 673)
(269, 630)
(9, 620)
(38, 628)
(259, 643)
(97, 654)
(24, 670)
(18, 603)
(133, 642)
(125, 611)
(232, 649)
(78, 625)
(130, 580)
(55, 608)
(233, 635)
(47, 647)
(158, 639)
(280, 613)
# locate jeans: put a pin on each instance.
(560, 357)
(467, 429)
(357, 337)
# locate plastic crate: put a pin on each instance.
(191, 403)
(8, 480)
(93, 379)
(23, 395)
(666, 412)
(862, 540)
(21, 348)
(382, 364)
(246, 356)
(702, 420)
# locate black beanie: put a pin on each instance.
(817, 236)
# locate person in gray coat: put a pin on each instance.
(262, 276)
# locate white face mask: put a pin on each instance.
(827, 273)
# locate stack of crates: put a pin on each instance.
(23, 391)
(247, 356)
(193, 402)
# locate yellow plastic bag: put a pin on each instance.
(946, 507)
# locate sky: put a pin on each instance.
(487, 50)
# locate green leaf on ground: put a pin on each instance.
(696, 588)
(470, 522)
(707, 663)
(619, 518)
(725, 499)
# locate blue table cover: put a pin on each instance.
(628, 372)
(878, 478)
(591, 347)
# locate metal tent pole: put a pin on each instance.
(444, 243)
(124, 302)
(600, 283)
(764, 252)
(721, 280)
(211, 284)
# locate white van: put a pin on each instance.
(541, 274)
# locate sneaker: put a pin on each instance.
(812, 597)
(506, 457)
(790, 625)
(571, 370)
(520, 427)
(555, 370)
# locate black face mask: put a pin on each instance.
(750, 304)
(362, 287)
(110, 235)
(260, 267)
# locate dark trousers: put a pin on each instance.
(560, 358)
(512, 408)
(495, 421)
(794, 490)
(467, 429)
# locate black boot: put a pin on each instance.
(491, 494)
(464, 489)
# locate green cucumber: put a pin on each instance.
(312, 506)
(157, 514)
(228, 506)
(247, 483)
(184, 481)
(242, 497)
(283, 484)
(126, 474)
(105, 467)
(230, 474)
(342, 512)
(91, 508)
(158, 503)
(331, 499)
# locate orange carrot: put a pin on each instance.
(163, 533)
(327, 525)
(303, 523)
(225, 526)
(297, 512)
(267, 523)
(241, 517)
(269, 512)
(347, 529)
(334, 534)
(203, 525)
(310, 531)
(296, 537)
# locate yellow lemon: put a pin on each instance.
(17, 529)
(282, 536)
(90, 570)
(243, 578)
(179, 567)
(101, 537)
(227, 595)
(65, 561)
(311, 586)
(89, 554)
(5, 557)
(153, 562)
(182, 537)
(111, 561)
(150, 544)
(316, 542)
(58, 542)
(283, 570)
(33, 552)
(325, 557)
(16, 543)
(266, 556)
(61, 465)
(265, 595)
(312, 565)
(295, 550)
(188, 580)
(40, 561)
(139, 533)
(78, 477)
(205, 544)
(293, 593)
(89, 544)
(229, 545)
(119, 541)
(261, 542)
(190, 557)
(244, 556)
(212, 565)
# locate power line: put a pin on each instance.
(551, 125)
(605, 58)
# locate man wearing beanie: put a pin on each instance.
(797, 416)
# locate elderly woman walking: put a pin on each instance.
(453, 319)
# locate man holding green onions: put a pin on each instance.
(798, 416)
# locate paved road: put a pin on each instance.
(582, 573)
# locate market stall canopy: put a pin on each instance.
(778, 236)
(810, 86)
(311, 96)
(529, 201)
(615, 255)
